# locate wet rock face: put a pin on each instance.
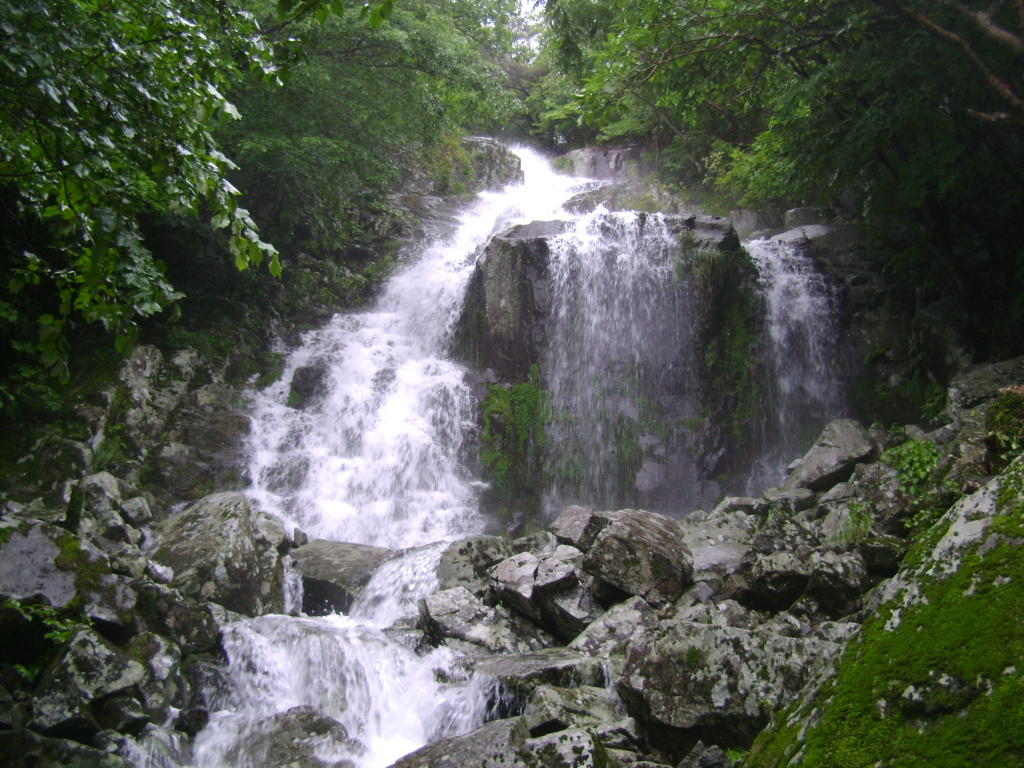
(334, 573)
(296, 738)
(221, 550)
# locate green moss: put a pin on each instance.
(88, 571)
(514, 420)
(961, 650)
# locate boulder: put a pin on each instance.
(494, 166)
(550, 709)
(611, 633)
(514, 582)
(297, 738)
(219, 551)
(467, 563)
(25, 749)
(832, 458)
(579, 526)
(309, 384)
(458, 614)
(87, 669)
(165, 611)
(601, 162)
(571, 748)
(718, 540)
(490, 746)
(786, 562)
(706, 757)
(31, 564)
(643, 554)
(519, 675)
(334, 573)
(716, 683)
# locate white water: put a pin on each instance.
(620, 318)
(376, 460)
(805, 386)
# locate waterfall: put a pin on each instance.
(616, 365)
(372, 453)
(805, 387)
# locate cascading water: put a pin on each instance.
(805, 389)
(616, 365)
(373, 457)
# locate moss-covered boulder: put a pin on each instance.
(936, 675)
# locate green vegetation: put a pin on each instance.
(905, 112)
(914, 460)
(130, 136)
(1004, 427)
(514, 420)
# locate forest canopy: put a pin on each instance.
(301, 116)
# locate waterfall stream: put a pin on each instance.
(372, 456)
(804, 389)
(364, 440)
(616, 366)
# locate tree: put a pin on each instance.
(108, 109)
(358, 106)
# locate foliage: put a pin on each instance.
(1004, 427)
(887, 108)
(914, 460)
(514, 419)
(59, 628)
(107, 119)
(361, 103)
(856, 527)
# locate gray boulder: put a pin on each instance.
(785, 563)
(833, 456)
(571, 748)
(719, 539)
(87, 669)
(643, 554)
(458, 614)
(467, 563)
(551, 709)
(224, 551)
(611, 633)
(31, 563)
(518, 676)
(715, 682)
(334, 573)
(490, 746)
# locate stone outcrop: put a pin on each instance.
(222, 550)
(907, 674)
(832, 458)
(334, 573)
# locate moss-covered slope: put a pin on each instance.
(936, 676)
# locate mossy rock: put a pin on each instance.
(936, 676)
